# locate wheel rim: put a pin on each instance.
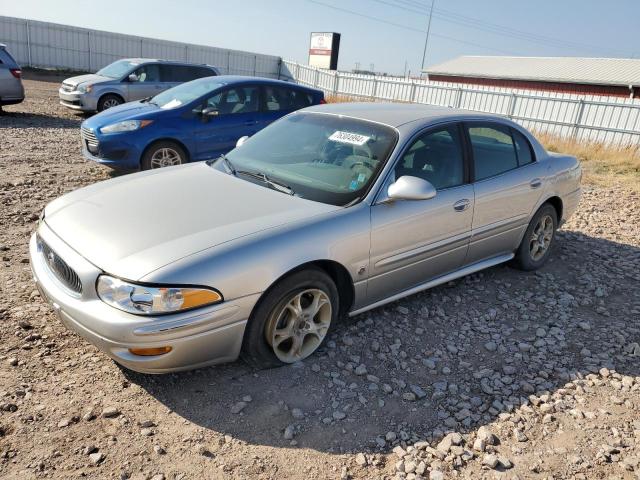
(541, 238)
(165, 157)
(110, 102)
(296, 328)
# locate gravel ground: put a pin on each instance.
(499, 374)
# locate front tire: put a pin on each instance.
(292, 320)
(538, 239)
(163, 154)
(109, 101)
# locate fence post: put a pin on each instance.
(186, 53)
(316, 78)
(414, 88)
(29, 43)
(228, 62)
(297, 72)
(512, 105)
(255, 65)
(458, 97)
(89, 48)
(280, 62)
(576, 124)
(335, 84)
(375, 88)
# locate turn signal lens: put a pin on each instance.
(150, 352)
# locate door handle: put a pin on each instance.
(461, 205)
(535, 183)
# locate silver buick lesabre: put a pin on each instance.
(332, 210)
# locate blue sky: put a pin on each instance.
(385, 33)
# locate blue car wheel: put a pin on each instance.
(163, 154)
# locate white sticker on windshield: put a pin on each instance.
(346, 137)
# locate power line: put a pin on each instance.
(452, 17)
(406, 27)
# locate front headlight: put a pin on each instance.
(153, 300)
(85, 88)
(125, 126)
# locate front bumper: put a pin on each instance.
(118, 151)
(198, 338)
(78, 101)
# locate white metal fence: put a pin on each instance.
(44, 44)
(609, 120)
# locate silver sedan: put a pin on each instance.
(332, 210)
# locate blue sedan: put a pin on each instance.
(195, 121)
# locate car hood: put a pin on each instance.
(88, 78)
(126, 111)
(133, 225)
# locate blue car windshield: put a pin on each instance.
(117, 69)
(325, 158)
(185, 93)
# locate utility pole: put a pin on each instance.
(426, 40)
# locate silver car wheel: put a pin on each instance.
(296, 328)
(541, 238)
(165, 157)
(110, 102)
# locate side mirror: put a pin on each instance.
(133, 77)
(241, 141)
(411, 188)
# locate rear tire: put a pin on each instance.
(108, 101)
(538, 240)
(163, 154)
(275, 335)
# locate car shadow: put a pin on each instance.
(9, 119)
(450, 359)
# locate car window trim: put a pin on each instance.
(490, 124)
(529, 146)
(410, 142)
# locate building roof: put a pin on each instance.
(594, 71)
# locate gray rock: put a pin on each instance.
(238, 407)
(97, 458)
(110, 412)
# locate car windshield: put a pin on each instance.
(117, 69)
(185, 93)
(325, 158)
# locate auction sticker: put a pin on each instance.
(346, 137)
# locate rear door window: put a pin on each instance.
(493, 150)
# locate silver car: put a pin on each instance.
(127, 80)
(335, 209)
(11, 89)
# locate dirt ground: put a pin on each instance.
(502, 374)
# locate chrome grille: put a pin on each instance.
(89, 137)
(63, 272)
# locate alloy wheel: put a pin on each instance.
(541, 238)
(297, 327)
(165, 157)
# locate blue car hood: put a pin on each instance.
(126, 111)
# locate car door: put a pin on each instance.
(413, 241)
(238, 115)
(507, 185)
(146, 83)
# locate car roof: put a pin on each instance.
(232, 79)
(395, 114)
(158, 60)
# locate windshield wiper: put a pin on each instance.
(227, 163)
(281, 187)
